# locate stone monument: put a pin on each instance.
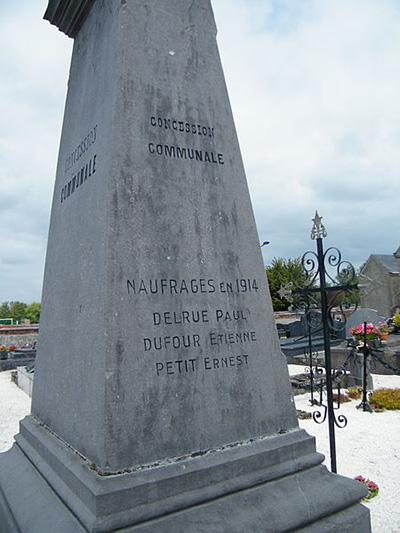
(161, 401)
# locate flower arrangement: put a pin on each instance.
(383, 327)
(373, 489)
(358, 331)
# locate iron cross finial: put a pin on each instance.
(318, 230)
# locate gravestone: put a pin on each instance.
(297, 341)
(162, 401)
(361, 315)
(356, 367)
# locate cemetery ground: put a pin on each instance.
(367, 446)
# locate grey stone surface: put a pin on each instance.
(24, 380)
(155, 300)
(161, 398)
(27, 502)
(379, 283)
(106, 503)
(68, 15)
(282, 498)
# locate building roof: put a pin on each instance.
(389, 262)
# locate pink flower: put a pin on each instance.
(371, 330)
(373, 489)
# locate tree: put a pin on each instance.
(5, 310)
(33, 312)
(17, 311)
(281, 272)
(351, 276)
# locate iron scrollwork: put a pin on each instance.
(326, 292)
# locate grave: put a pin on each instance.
(356, 364)
(361, 315)
(19, 357)
(161, 399)
(24, 379)
(296, 340)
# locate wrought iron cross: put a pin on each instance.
(316, 288)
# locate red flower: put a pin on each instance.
(360, 478)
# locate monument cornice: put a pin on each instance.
(68, 15)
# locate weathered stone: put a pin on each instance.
(360, 315)
(153, 252)
(379, 283)
(68, 15)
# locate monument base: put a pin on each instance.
(270, 484)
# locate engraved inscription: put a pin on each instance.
(176, 367)
(182, 342)
(232, 361)
(182, 317)
(79, 178)
(181, 126)
(177, 342)
(192, 154)
(82, 147)
(189, 153)
(210, 331)
(232, 338)
(185, 366)
(87, 167)
(193, 286)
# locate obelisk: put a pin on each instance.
(162, 401)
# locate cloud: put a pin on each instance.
(314, 90)
(32, 93)
(314, 87)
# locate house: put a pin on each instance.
(380, 283)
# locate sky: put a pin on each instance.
(315, 91)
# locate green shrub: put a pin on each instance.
(355, 392)
(386, 399)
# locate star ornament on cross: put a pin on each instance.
(318, 230)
